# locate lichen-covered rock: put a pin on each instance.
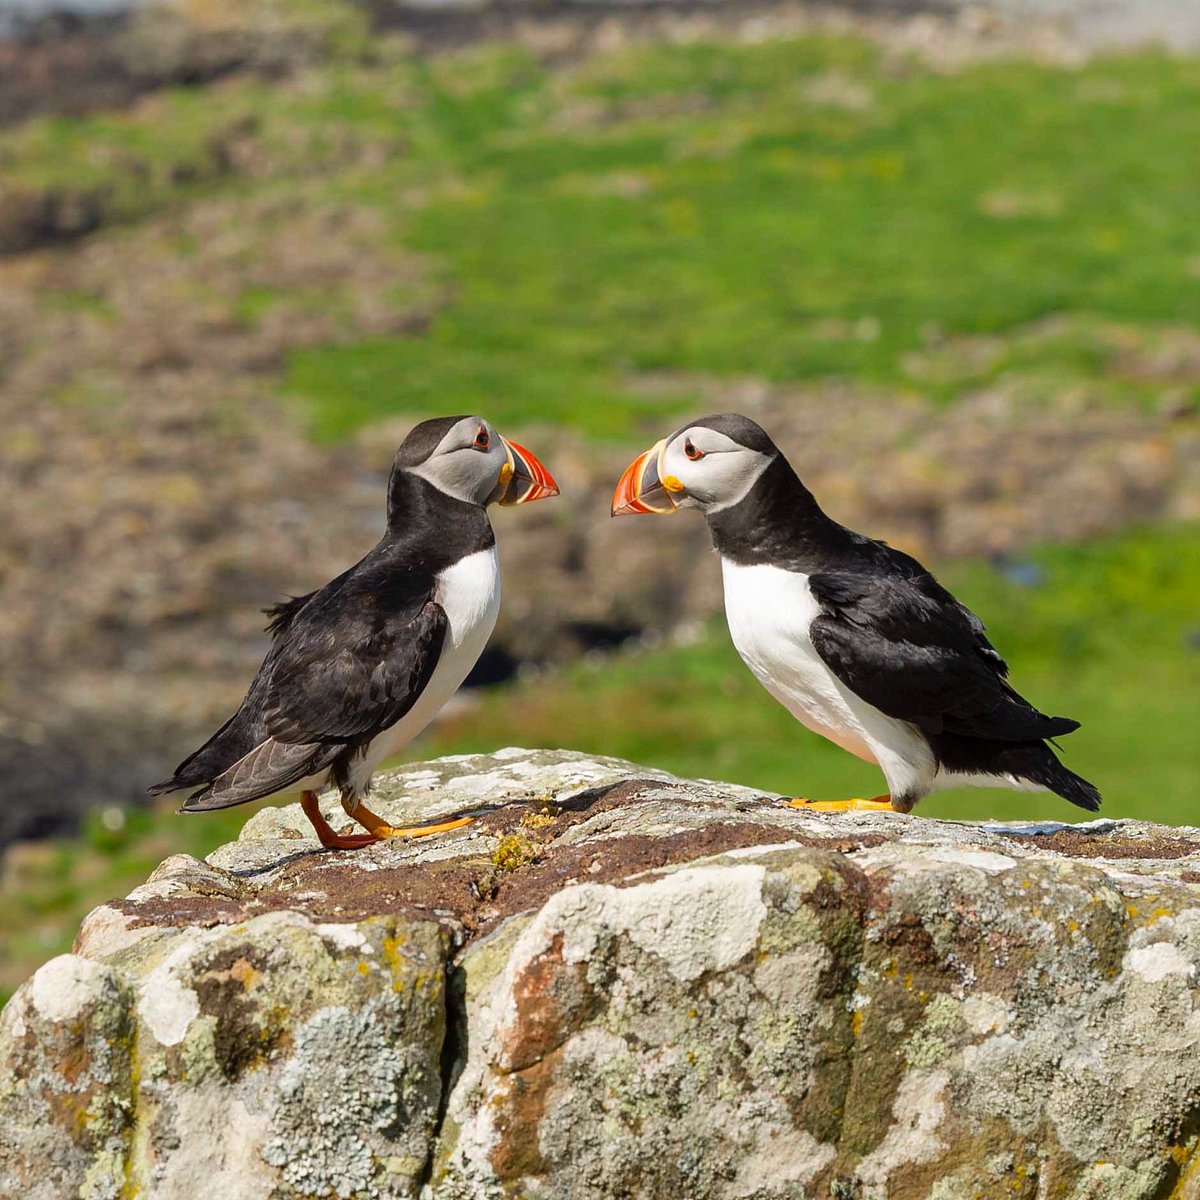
(617, 983)
(275, 1057)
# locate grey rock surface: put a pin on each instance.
(619, 983)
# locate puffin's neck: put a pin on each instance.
(779, 522)
(429, 530)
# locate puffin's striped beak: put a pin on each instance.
(523, 477)
(642, 488)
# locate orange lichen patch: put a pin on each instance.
(75, 1061)
(553, 998)
(519, 1105)
(396, 965)
(1185, 1160)
(245, 973)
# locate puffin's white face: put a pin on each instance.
(715, 471)
(474, 463)
(698, 467)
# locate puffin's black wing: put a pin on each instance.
(241, 733)
(354, 680)
(905, 645)
(270, 767)
(347, 663)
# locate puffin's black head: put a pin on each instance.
(466, 458)
(709, 464)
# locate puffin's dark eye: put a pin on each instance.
(692, 451)
(482, 440)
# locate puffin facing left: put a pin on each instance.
(359, 667)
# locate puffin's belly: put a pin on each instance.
(769, 611)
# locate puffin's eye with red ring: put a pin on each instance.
(482, 440)
(693, 452)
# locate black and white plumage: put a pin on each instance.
(359, 667)
(857, 640)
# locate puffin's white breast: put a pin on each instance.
(769, 611)
(469, 591)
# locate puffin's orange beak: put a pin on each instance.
(527, 479)
(642, 489)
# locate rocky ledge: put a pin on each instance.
(616, 983)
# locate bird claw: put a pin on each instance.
(381, 829)
(347, 841)
(329, 838)
(377, 828)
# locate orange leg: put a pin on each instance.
(330, 839)
(877, 804)
(381, 829)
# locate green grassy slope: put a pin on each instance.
(793, 209)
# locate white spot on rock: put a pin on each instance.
(205, 1117)
(918, 1111)
(105, 931)
(63, 987)
(166, 1005)
(759, 851)
(345, 937)
(1158, 960)
(697, 919)
(986, 1013)
(781, 1156)
(420, 779)
(983, 860)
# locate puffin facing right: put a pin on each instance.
(857, 640)
(360, 666)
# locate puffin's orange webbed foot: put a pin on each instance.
(329, 837)
(381, 829)
(857, 804)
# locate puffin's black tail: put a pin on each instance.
(1051, 774)
(1032, 761)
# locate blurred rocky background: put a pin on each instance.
(947, 254)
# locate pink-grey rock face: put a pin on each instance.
(617, 983)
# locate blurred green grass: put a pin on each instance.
(792, 210)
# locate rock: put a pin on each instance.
(280, 1056)
(619, 983)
